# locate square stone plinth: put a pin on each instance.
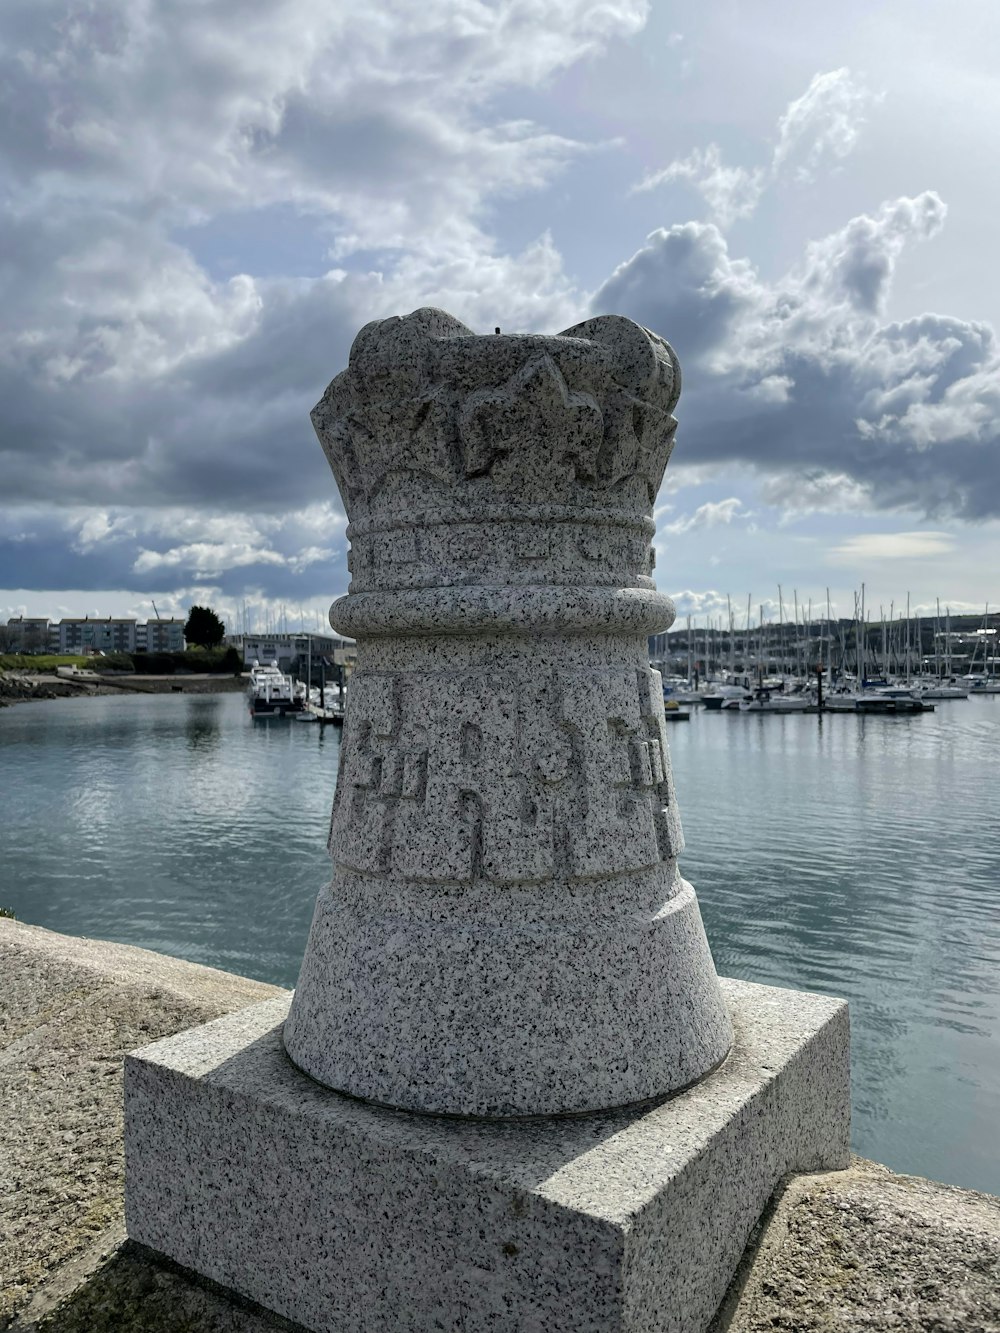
(348, 1217)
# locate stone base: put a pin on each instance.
(348, 1217)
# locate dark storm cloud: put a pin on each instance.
(154, 446)
(130, 379)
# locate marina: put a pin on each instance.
(500, 670)
(901, 665)
(844, 854)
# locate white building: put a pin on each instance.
(293, 650)
(111, 634)
(160, 636)
(97, 634)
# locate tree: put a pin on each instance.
(204, 628)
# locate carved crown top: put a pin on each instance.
(426, 406)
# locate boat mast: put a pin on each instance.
(908, 667)
(798, 638)
(809, 629)
(760, 638)
(989, 660)
(781, 631)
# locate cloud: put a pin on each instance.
(872, 547)
(297, 555)
(730, 192)
(804, 380)
(854, 266)
(139, 375)
(709, 602)
(798, 494)
(159, 350)
(824, 123)
(207, 558)
(706, 296)
(817, 129)
(713, 514)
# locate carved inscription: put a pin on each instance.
(449, 779)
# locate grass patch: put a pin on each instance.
(40, 661)
(219, 661)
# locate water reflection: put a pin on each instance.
(862, 859)
(201, 725)
(856, 856)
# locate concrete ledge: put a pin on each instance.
(865, 1249)
(346, 1217)
(69, 1009)
(842, 1252)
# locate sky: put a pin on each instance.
(203, 202)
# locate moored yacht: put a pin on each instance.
(766, 701)
(725, 696)
(941, 689)
(981, 684)
(271, 693)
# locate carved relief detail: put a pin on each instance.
(550, 430)
(450, 780)
(586, 411)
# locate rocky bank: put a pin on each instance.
(27, 687)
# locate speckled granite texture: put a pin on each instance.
(855, 1251)
(864, 1250)
(352, 1218)
(69, 1009)
(506, 932)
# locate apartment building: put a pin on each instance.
(28, 634)
(97, 634)
(160, 636)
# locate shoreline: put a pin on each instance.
(34, 687)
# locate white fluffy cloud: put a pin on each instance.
(872, 547)
(804, 379)
(819, 128)
(712, 514)
(731, 192)
(823, 124)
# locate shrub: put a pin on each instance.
(114, 662)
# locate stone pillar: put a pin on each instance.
(506, 932)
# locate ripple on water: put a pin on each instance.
(856, 856)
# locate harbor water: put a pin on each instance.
(856, 856)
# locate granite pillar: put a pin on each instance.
(506, 932)
(559, 1118)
